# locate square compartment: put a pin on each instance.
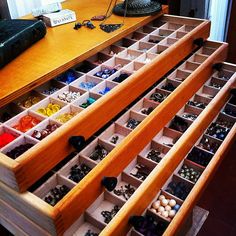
(167, 137)
(157, 99)
(116, 62)
(179, 124)
(100, 88)
(143, 105)
(188, 28)
(179, 75)
(163, 32)
(120, 76)
(125, 43)
(130, 54)
(146, 57)
(224, 74)
(169, 41)
(49, 87)
(198, 58)
(9, 111)
(84, 99)
(189, 66)
(179, 34)
(133, 66)
(157, 22)
(114, 131)
(112, 50)
(216, 83)
(152, 39)
(85, 66)
(171, 26)
(99, 58)
(101, 68)
(168, 85)
(213, 144)
(230, 110)
(225, 120)
(55, 181)
(142, 46)
(136, 36)
(158, 49)
(63, 78)
(207, 91)
(146, 29)
(199, 102)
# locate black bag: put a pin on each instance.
(17, 35)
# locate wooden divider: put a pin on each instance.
(90, 186)
(153, 183)
(45, 155)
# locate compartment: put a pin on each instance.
(68, 94)
(189, 112)
(29, 99)
(130, 54)
(225, 121)
(116, 62)
(100, 209)
(7, 135)
(158, 95)
(179, 75)
(167, 137)
(209, 143)
(136, 35)
(188, 28)
(25, 121)
(146, 29)
(154, 151)
(163, 32)
(142, 46)
(120, 76)
(133, 66)
(86, 82)
(66, 114)
(54, 189)
(130, 120)
(157, 49)
(104, 87)
(224, 74)
(144, 107)
(96, 151)
(68, 77)
(125, 43)
(168, 85)
(157, 23)
(114, 134)
(112, 50)
(197, 58)
(146, 57)
(216, 83)
(50, 87)
(199, 102)
(9, 111)
(85, 66)
(179, 124)
(178, 34)
(230, 110)
(48, 107)
(168, 41)
(17, 147)
(99, 58)
(178, 187)
(104, 72)
(208, 91)
(199, 156)
(189, 66)
(171, 26)
(152, 39)
(76, 169)
(86, 100)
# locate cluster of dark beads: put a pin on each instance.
(142, 172)
(90, 233)
(77, 172)
(207, 145)
(5, 117)
(56, 194)
(67, 77)
(158, 97)
(199, 156)
(178, 189)
(224, 123)
(108, 215)
(189, 173)
(84, 68)
(114, 139)
(105, 73)
(179, 124)
(229, 112)
(149, 226)
(153, 41)
(44, 132)
(121, 77)
(233, 100)
(99, 153)
(217, 131)
(126, 191)
(197, 104)
(189, 116)
(19, 150)
(215, 85)
(169, 87)
(147, 111)
(132, 123)
(154, 155)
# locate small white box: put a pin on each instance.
(59, 18)
(46, 9)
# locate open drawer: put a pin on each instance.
(143, 56)
(177, 89)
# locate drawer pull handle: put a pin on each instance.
(199, 42)
(109, 183)
(217, 66)
(78, 142)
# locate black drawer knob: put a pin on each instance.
(109, 183)
(78, 142)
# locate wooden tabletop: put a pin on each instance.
(62, 48)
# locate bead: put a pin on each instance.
(87, 85)
(105, 90)
(105, 73)
(63, 118)
(172, 202)
(125, 190)
(141, 172)
(172, 213)
(165, 214)
(50, 90)
(132, 123)
(153, 210)
(167, 208)
(29, 101)
(161, 209)
(156, 204)
(77, 173)
(6, 138)
(161, 197)
(164, 202)
(26, 123)
(69, 96)
(121, 77)
(49, 110)
(67, 77)
(176, 207)
(44, 132)
(17, 151)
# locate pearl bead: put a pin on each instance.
(172, 213)
(161, 197)
(153, 210)
(172, 202)
(156, 204)
(168, 208)
(161, 209)
(164, 202)
(165, 214)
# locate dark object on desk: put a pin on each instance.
(16, 36)
(138, 8)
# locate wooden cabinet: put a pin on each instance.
(175, 87)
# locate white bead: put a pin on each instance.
(164, 202)
(165, 214)
(161, 197)
(156, 204)
(172, 202)
(168, 208)
(172, 213)
(153, 210)
(161, 209)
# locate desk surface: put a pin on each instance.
(62, 48)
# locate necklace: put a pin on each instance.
(108, 28)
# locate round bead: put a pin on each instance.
(164, 202)
(168, 208)
(161, 197)
(161, 209)
(172, 202)
(153, 210)
(176, 207)
(172, 213)
(156, 204)
(165, 214)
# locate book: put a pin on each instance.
(59, 18)
(18, 35)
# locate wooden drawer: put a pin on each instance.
(58, 218)
(172, 32)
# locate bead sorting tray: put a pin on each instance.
(63, 208)
(181, 32)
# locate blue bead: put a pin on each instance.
(176, 207)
